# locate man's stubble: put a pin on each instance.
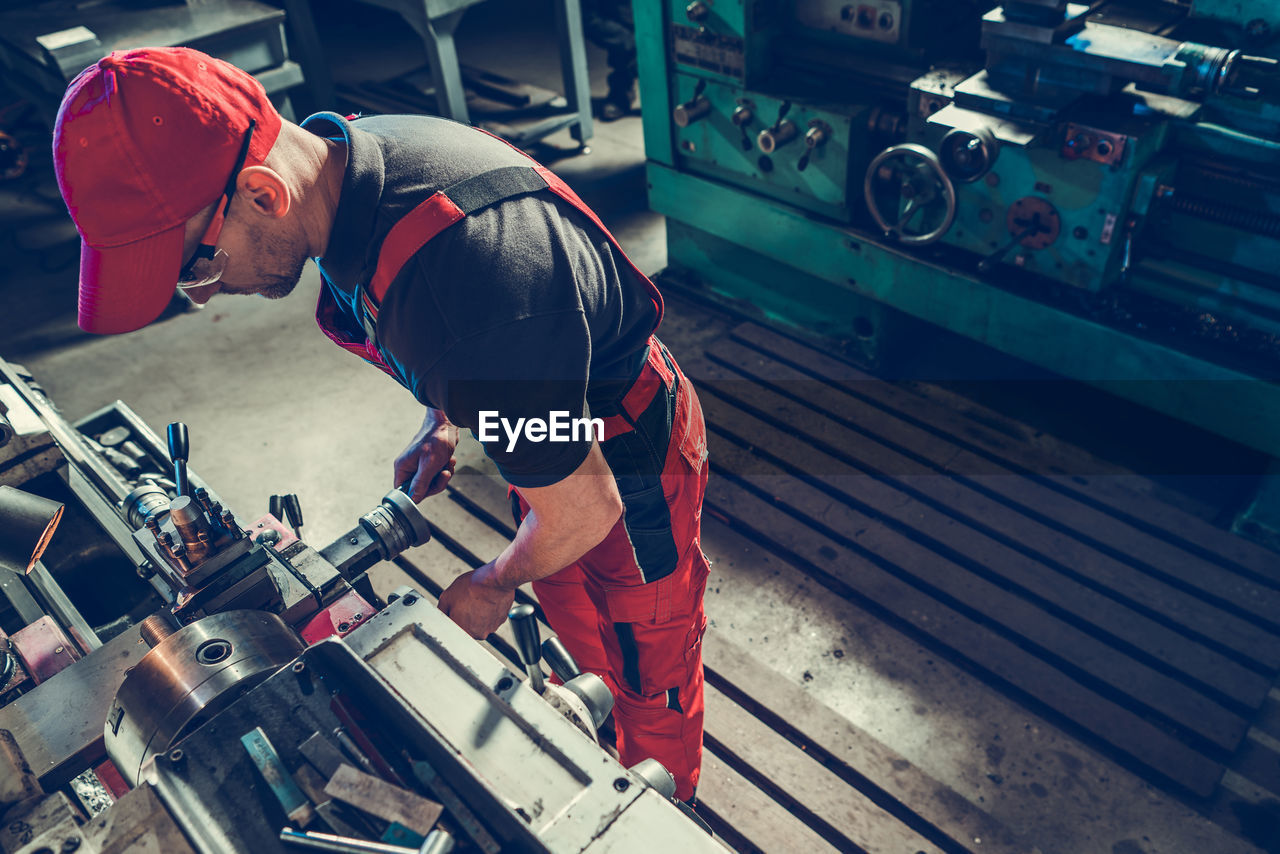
(278, 251)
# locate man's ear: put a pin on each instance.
(265, 190)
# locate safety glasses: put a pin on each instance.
(208, 262)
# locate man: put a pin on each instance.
(476, 279)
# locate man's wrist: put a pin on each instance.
(487, 576)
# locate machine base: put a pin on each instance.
(867, 332)
(1260, 521)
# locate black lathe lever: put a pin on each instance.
(293, 511)
(559, 659)
(179, 449)
(526, 627)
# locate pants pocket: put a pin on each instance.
(657, 657)
(647, 520)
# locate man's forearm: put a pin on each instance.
(565, 521)
(539, 551)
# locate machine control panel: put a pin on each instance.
(769, 144)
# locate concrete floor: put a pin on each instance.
(272, 407)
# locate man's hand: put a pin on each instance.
(427, 463)
(476, 602)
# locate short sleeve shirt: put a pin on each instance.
(524, 309)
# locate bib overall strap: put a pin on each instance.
(445, 207)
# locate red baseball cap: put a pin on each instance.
(145, 140)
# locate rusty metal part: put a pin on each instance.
(190, 676)
(44, 649)
(189, 520)
(155, 629)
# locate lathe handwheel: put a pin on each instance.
(921, 186)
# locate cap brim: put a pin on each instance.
(123, 288)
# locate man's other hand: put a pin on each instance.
(475, 605)
(426, 465)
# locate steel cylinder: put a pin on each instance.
(155, 629)
(396, 524)
(689, 112)
(144, 502)
(771, 139)
(188, 677)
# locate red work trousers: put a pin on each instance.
(630, 610)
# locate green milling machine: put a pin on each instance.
(1093, 189)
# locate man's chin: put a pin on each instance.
(273, 289)
(202, 294)
(278, 289)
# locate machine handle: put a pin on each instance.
(988, 263)
(525, 625)
(179, 452)
(293, 510)
(179, 442)
(783, 109)
(559, 659)
(275, 506)
(916, 169)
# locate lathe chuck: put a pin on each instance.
(188, 677)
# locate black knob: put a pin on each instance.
(293, 511)
(275, 506)
(179, 442)
(179, 450)
(527, 636)
(559, 659)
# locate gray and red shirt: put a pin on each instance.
(524, 307)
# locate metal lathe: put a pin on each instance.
(226, 687)
(1090, 187)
